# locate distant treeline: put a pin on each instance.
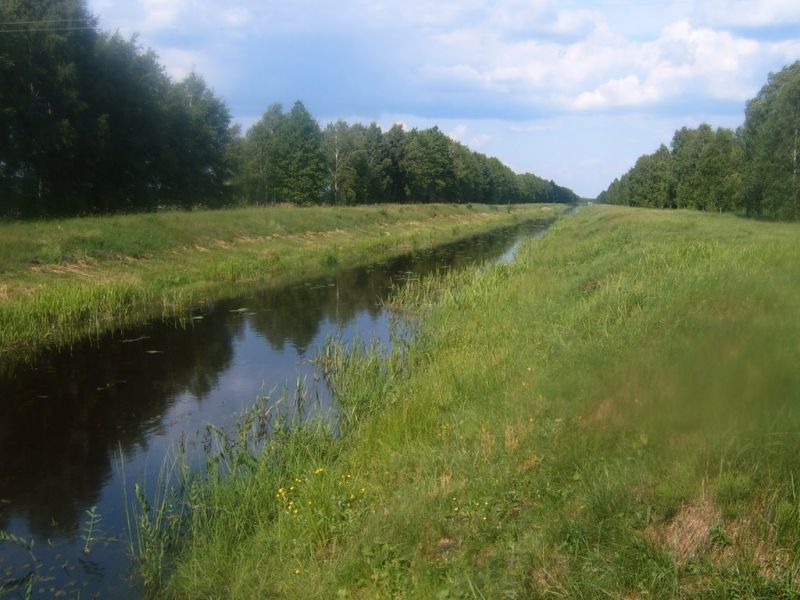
(286, 157)
(753, 170)
(91, 123)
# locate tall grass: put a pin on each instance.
(615, 413)
(63, 280)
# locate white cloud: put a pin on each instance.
(683, 59)
(479, 140)
(178, 63)
(628, 91)
(602, 69)
(746, 13)
(526, 67)
(237, 16)
(458, 132)
(162, 13)
(525, 53)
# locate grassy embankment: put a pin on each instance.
(616, 414)
(64, 279)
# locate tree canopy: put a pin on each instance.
(753, 170)
(91, 123)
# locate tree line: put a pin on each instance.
(753, 170)
(91, 123)
(286, 156)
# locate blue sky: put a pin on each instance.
(572, 91)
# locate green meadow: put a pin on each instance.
(65, 279)
(614, 414)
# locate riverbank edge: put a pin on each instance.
(53, 305)
(485, 463)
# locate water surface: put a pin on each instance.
(82, 423)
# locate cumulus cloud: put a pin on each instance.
(684, 59)
(498, 73)
(746, 13)
(532, 55)
(458, 132)
(603, 69)
(162, 13)
(237, 16)
(179, 63)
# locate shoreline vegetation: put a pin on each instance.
(66, 279)
(613, 413)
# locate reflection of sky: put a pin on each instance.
(264, 354)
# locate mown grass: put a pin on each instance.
(61, 280)
(615, 414)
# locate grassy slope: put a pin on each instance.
(68, 278)
(615, 414)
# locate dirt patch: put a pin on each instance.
(601, 414)
(82, 268)
(511, 441)
(530, 464)
(444, 481)
(550, 576)
(689, 533)
(746, 541)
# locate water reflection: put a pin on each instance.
(135, 394)
(64, 418)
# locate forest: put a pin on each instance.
(753, 170)
(90, 123)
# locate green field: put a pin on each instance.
(61, 280)
(615, 414)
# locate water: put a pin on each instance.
(81, 424)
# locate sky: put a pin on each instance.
(574, 91)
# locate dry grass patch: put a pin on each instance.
(688, 534)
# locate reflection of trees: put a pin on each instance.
(294, 314)
(64, 420)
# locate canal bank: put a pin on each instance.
(86, 424)
(614, 413)
(65, 280)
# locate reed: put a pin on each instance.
(613, 414)
(64, 280)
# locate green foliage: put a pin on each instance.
(18, 541)
(89, 534)
(701, 171)
(90, 123)
(771, 135)
(611, 414)
(69, 278)
(361, 164)
(754, 170)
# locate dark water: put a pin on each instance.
(82, 424)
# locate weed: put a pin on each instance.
(27, 581)
(92, 519)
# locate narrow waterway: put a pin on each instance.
(82, 424)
